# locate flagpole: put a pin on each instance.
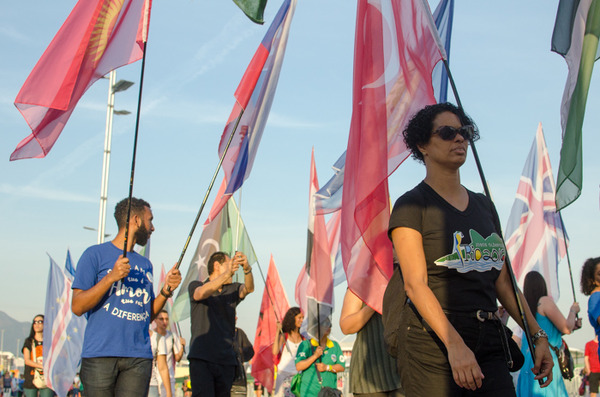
(511, 273)
(210, 186)
(562, 223)
(135, 141)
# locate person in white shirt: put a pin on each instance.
(175, 348)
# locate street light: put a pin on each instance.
(113, 87)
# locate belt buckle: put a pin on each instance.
(480, 315)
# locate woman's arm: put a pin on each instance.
(548, 308)
(543, 360)
(354, 315)
(278, 342)
(409, 249)
(163, 370)
(28, 361)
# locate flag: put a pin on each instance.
(329, 197)
(319, 289)
(575, 37)
(443, 17)
(535, 234)
(254, 9)
(395, 52)
(69, 269)
(63, 333)
(97, 37)
(254, 97)
(225, 233)
(335, 252)
(273, 307)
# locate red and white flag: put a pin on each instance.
(395, 52)
(272, 310)
(97, 37)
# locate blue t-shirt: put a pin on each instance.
(118, 325)
(594, 311)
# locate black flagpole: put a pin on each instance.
(562, 224)
(513, 279)
(135, 140)
(210, 186)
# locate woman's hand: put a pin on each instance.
(318, 352)
(465, 370)
(543, 362)
(321, 367)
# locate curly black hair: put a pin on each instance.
(289, 320)
(419, 128)
(137, 208)
(588, 281)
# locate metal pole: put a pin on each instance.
(112, 77)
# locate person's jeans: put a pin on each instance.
(45, 392)
(210, 379)
(115, 376)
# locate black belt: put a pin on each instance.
(480, 315)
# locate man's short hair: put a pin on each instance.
(218, 256)
(137, 208)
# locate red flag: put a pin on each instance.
(254, 96)
(394, 56)
(97, 37)
(272, 309)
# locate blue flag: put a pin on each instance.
(69, 269)
(63, 333)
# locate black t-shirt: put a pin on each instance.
(463, 250)
(28, 384)
(213, 324)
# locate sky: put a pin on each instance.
(507, 78)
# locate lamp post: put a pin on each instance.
(113, 88)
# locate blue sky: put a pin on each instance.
(508, 80)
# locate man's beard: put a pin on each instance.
(142, 235)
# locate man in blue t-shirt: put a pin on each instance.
(117, 296)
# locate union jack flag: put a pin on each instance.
(536, 238)
(63, 333)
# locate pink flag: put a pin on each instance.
(394, 56)
(535, 237)
(254, 97)
(97, 37)
(272, 310)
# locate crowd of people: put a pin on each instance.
(441, 336)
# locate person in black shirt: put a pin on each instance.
(213, 303)
(452, 261)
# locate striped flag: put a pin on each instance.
(97, 37)
(272, 310)
(535, 237)
(254, 97)
(319, 288)
(63, 333)
(575, 37)
(395, 52)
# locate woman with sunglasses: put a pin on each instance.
(33, 356)
(452, 261)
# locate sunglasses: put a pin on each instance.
(38, 322)
(448, 133)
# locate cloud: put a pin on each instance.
(9, 32)
(31, 191)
